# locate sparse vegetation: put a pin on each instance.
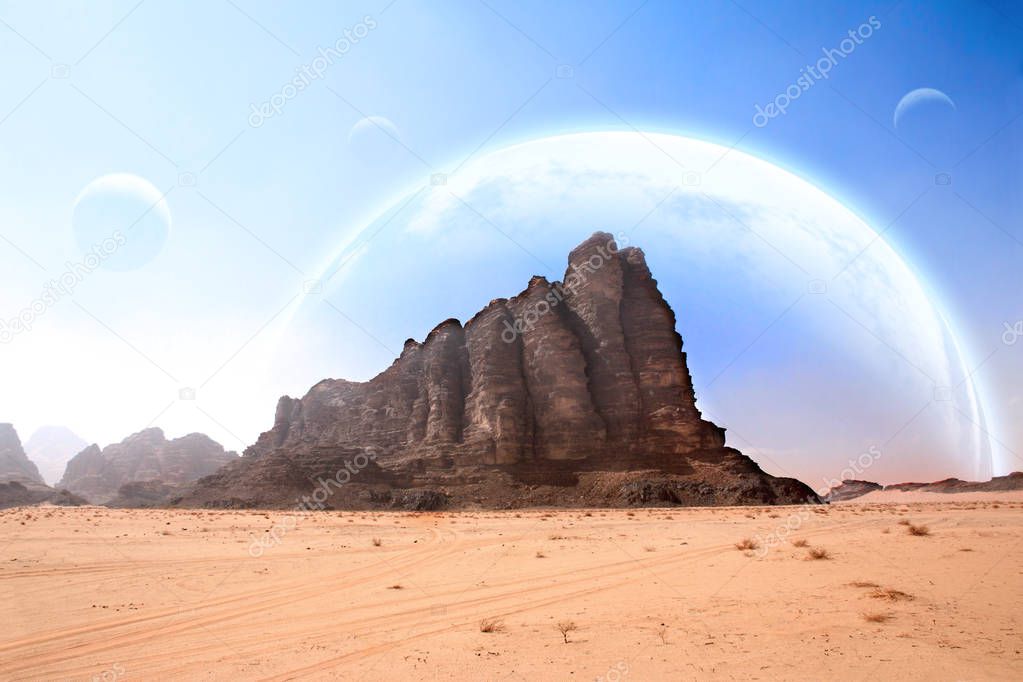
(396, 587)
(746, 544)
(877, 617)
(817, 553)
(540, 555)
(863, 583)
(800, 543)
(890, 594)
(565, 627)
(492, 625)
(903, 522)
(648, 548)
(918, 530)
(377, 542)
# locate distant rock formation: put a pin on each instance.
(51, 447)
(570, 393)
(20, 482)
(14, 463)
(850, 490)
(145, 456)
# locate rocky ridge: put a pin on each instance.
(147, 456)
(570, 393)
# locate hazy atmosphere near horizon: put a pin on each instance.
(493, 339)
(237, 162)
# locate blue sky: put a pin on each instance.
(165, 91)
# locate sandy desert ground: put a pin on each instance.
(92, 593)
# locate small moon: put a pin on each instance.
(371, 126)
(916, 97)
(123, 219)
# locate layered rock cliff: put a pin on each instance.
(20, 482)
(145, 456)
(572, 392)
(14, 463)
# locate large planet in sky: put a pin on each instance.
(809, 337)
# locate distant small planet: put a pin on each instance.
(917, 98)
(371, 126)
(123, 219)
(378, 146)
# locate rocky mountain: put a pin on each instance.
(570, 393)
(14, 463)
(20, 482)
(850, 490)
(145, 456)
(50, 447)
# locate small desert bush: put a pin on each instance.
(800, 543)
(541, 555)
(889, 594)
(903, 522)
(565, 627)
(377, 542)
(918, 530)
(876, 617)
(492, 625)
(863, 583)
(816, 553)
(746, 543)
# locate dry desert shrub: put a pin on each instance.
(492, 625)
(817, 553)
(918, 530)
(541, 555)
(377, 542)
(800, 543)
(863, 583)
(876, 617)
(649, 549)
(903, 522)
(565, 627)
(396, 587)
(889, 594)
(746, 543)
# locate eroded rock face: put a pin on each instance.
(145, 456)
(20, 482)
(532, 395)
(14, 463)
